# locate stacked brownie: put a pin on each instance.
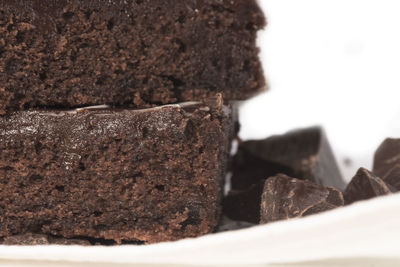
(115, 122)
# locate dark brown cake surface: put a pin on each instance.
(303, 153)
(71, 53)
(284, 197)
(127, 175)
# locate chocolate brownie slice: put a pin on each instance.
(127, 175)
(71, 53)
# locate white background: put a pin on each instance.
(334, 63)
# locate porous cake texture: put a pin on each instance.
(125, 175)
(126, 53)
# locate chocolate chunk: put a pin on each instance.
(72, 53)
(284, 198)
(387, 162)
(305, 154)
(124, 175)
(244, 205)
(393, 177)
(249, 168)
(365, 185)
(335, 197)
(386, 156)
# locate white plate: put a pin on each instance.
(367, 230)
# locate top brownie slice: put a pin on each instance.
(71, 53)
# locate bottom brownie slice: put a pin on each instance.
(127, 175)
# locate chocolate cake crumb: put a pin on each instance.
(40, 239)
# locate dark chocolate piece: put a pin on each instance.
(393, 177)
(285, 198)
(249, 168)
(72, 53)
(365, 185)
(125, 175)
(305, 154)
(244, 205)
(386, 156)
(387, 160)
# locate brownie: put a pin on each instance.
(137, 53)
(303, 153)
(125, 175)
(365, 185)
(284, 197)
